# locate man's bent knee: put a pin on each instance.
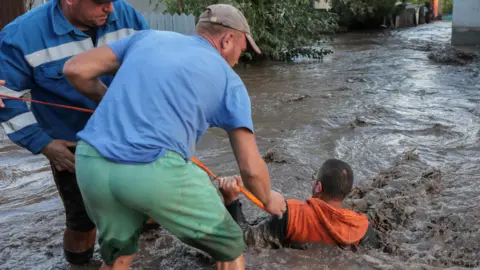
(231, 254)
(230, 250)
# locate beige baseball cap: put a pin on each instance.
(229, 16)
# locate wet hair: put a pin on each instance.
(336, 177)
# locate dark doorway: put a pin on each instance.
(9, 10)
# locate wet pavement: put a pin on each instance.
(408, 123)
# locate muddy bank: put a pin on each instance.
(400, 202)
(452, 55)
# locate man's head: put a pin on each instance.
(333, 181)
(227, 29)
(86, 14)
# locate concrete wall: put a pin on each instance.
(466, 22)
(408, 18)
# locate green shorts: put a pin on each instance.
(178, 195)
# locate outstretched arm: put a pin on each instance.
(269, 232)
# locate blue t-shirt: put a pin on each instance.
(169, 90)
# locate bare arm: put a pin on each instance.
(253, 169)
(82, 71)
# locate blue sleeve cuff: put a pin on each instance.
(40, 143)
(32, 138)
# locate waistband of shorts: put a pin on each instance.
(85, 149)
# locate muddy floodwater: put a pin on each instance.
(393, 105)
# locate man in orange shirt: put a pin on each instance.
(321, 219)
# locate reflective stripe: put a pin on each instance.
(19, 122)
(9, 92)
(114, 36)
(59, 52)
(73, 48)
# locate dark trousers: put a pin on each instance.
(76, 216)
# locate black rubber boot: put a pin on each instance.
(81, 258)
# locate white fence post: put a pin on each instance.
(184, 24)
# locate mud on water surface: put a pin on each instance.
(403, 108)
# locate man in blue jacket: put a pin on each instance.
(33, 50)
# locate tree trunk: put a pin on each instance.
(180, 6)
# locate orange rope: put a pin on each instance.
(247, 193)
(48, 103)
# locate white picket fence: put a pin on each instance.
(184, 24)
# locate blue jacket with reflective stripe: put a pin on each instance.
(33, 50)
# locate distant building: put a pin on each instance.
(322, 4)
(466, 22)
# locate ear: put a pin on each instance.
(318, 188)
(227, 40)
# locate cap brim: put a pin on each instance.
(253, 44)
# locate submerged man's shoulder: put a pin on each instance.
(371, 238)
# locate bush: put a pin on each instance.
(447, 7)
(283, 29)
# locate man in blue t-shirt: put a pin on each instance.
(133, 158)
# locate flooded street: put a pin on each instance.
(409, 126)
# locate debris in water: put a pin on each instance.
(343, 88)
(352, 80)
(451, 55)
(431, 179)
(411, 155)
(358, 123)
(439, 126)
(296, 97)
(272, 156)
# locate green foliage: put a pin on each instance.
(283, 29)
(447, 6)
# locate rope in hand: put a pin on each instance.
(197, 162)
(245, 192)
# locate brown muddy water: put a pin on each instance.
(408, 125)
